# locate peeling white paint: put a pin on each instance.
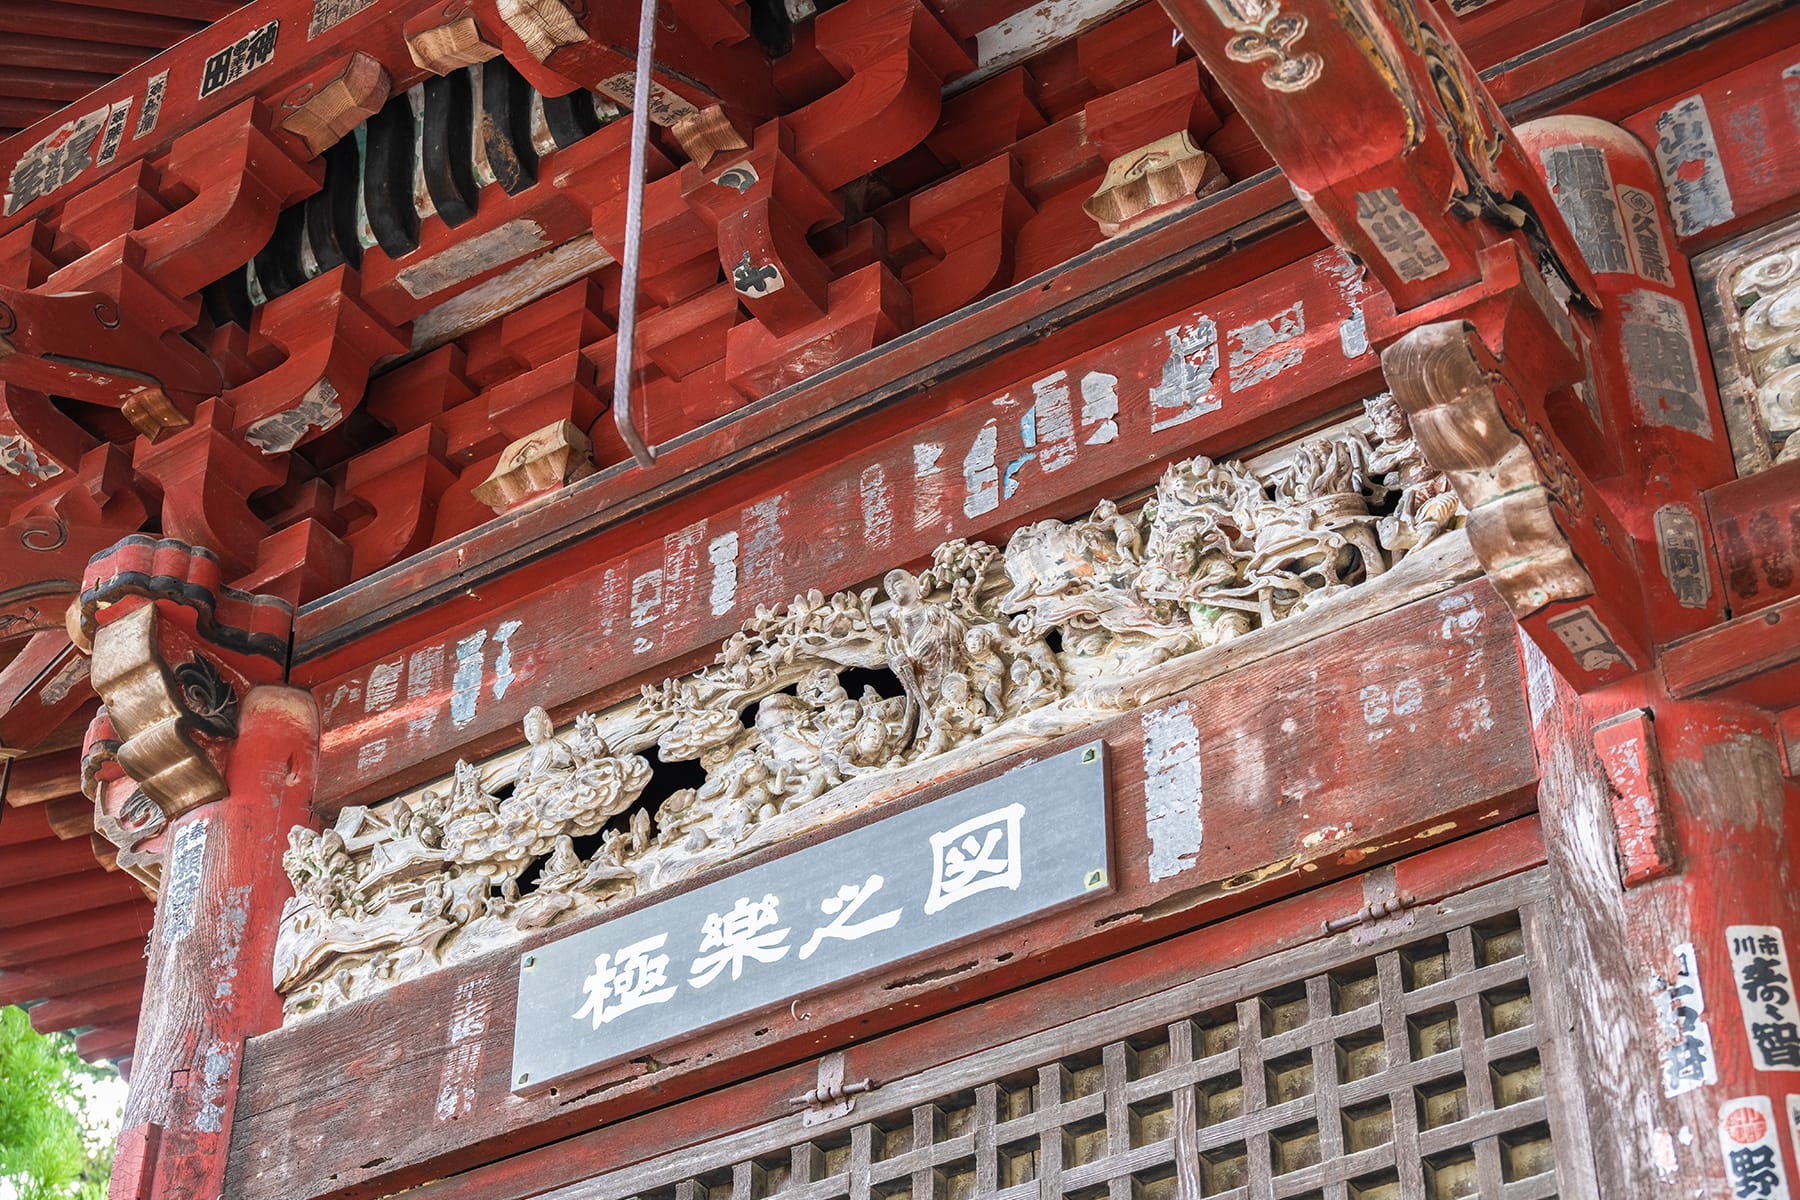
(1055, 421)
(345, 693)
(370, 754)
(877, 509)
(1662, 1154)
(461, 1071)
(424, 668)
(1186, 390)
(1100, 407)
(1687, 154)
(981, 479)
(217, 1066)
(1172, 793)
(762, 573)
(181, 880)
(646, 598)
(1353, 330)
(384, 686)
(1264, 349)
(681, 573)
(465, 685)
(234, 917)
(722, 553)
(611, 600)
(503, 668)
(1540, 680)
(928, 485)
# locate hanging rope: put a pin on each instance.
(634, 235)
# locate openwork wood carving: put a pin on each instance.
(831, 703)
(1754, 320)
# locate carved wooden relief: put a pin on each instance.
(830, 703)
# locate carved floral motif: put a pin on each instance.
(822, 703)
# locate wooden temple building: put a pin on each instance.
(907, 599)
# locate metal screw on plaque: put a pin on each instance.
(1090, 754)
(524, 1078)
(530, 961)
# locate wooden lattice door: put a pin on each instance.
(1411, 1060)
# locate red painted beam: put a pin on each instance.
(51, 977)
(1755, 658)
(30, 862)
(70, 816)
(96, 1006)
(64, 896)
(81, 23)
(43, 777)
(110, 1041)
(19, 826)
(24, 944)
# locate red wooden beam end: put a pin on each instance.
(1633, 764)
(134, 1163)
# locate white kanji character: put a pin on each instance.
(632, 979)
(844, 905)
(742, 933)
(979, 854)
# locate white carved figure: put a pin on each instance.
(1425, 505)
(988, 650)
(924, 645)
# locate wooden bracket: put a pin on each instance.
(1633, 764)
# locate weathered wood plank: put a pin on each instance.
(680, 580)
(1241, 788)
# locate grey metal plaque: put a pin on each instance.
(1032, 840)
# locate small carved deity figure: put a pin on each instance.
(1194, 564)
(1114, 534)
(957, 716)
(607, 873)
(924, 644)
(549, 760)
(791, 735)
(562, 871)
(986, 671)
(1425, 505)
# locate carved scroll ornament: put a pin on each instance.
(173, 651)
(831, 703)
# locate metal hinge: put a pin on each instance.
(1385, 902)
(831, 1098)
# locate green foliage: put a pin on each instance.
(53, 1145)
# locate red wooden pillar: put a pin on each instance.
(1666, 830)
(199, 763)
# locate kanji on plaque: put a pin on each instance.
(841, 907)
(978, 854)
(747, 931)
(632, 978)
(1000, 852)
(1766, 994)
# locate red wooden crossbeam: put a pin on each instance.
(25, 944)
(100, 1005)
(49, 977)
(65, 894)
(33, 861)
